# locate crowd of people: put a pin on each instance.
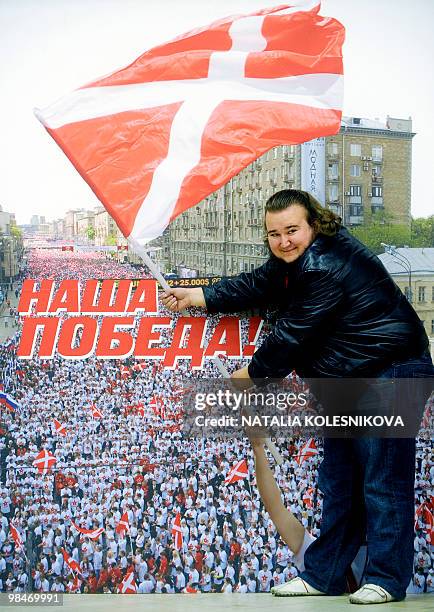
(101, 519)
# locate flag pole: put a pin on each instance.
(219, 364)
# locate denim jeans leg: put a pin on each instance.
(389, 499)
(343, 519)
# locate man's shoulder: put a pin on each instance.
(332, 253)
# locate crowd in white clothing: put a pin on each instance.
(130, 462)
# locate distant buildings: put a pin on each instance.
(11, 249)
(413, 271)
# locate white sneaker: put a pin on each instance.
(371, 594)
(295, 587)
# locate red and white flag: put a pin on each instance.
(155, 404)
(423, 512)
(176, 531)
(60, 428)
(125, 371)
(156, 137)
(128, 584)
(429, 523)
(76, 585)
(93, 534)
(70, 562)
(307, 497)
(123, 524)
(16, 536)
(308, 449)
(44, 461)
(238, 472)
(96, 413)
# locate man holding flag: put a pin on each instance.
(157, 137)
(332, 295)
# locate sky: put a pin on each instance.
(50, 47)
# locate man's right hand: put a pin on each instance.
(180, 299)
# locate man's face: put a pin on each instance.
(288, 232)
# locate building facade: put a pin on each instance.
(105, 228)
(11, 250)
(413, 271)
(366, 169)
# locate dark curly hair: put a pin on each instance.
(322, 220)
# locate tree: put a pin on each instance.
(90, 232)
(422, 232)
(16, 231)
(373, 235)
(111, 239)
(381, 228)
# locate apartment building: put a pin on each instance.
(362, 173)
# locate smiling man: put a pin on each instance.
(340, 316)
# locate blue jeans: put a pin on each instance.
(368, 488)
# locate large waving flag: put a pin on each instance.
(309, 449)
(156, 137)
(8, 401)
(44, 461)
(123, 525)
(93, 534)
(177, 532)
(96, 413)
(128, 584)
(70, 562)
(16, 537)
(238, 472)
(59, 427)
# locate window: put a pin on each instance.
(356, 210)
(355, 150)
(377, 191)
(355, 170)
(432, 295)
(377, 153)
(333, 171)
(355, 194)
(376, 170)
(333, 148)
(333, 193)
(432, 326)
(275, 153)
(421, 294)
(407, 293)
(355, 190)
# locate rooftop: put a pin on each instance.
(421, 261)
(392, 124)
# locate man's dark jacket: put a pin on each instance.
(340, 313)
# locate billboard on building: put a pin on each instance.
(313, 168)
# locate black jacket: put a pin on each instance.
(340, 313)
